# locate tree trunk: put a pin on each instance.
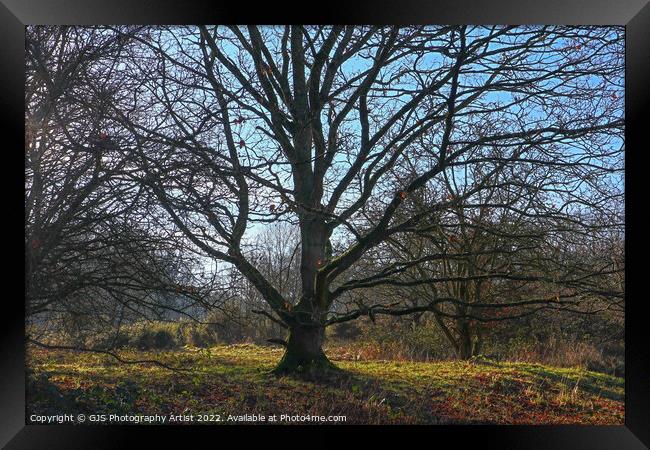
(465, 347)
(478, 343)
(304, 354)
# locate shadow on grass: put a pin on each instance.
(380, 391)
(590, 382)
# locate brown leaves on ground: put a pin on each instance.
(235, 380)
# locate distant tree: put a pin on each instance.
(502, 260)
(94, 255)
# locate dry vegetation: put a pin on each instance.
(235, 379)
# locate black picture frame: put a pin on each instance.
(633, 14)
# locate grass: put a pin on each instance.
(234, 380)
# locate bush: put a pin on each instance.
(346, 330)
(163, 339)
(389, 338)
(153, 335)
(560, 352)
(198, 335)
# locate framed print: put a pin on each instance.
(386, 219)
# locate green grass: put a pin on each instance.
(235, 380)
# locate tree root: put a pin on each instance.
(312, 368)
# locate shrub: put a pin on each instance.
(198, 335)
(346, 330)
(150, 336)
(389, 338)
(163, 339)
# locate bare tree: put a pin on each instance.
(95, 254)
(503, 259)
(336, 130)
